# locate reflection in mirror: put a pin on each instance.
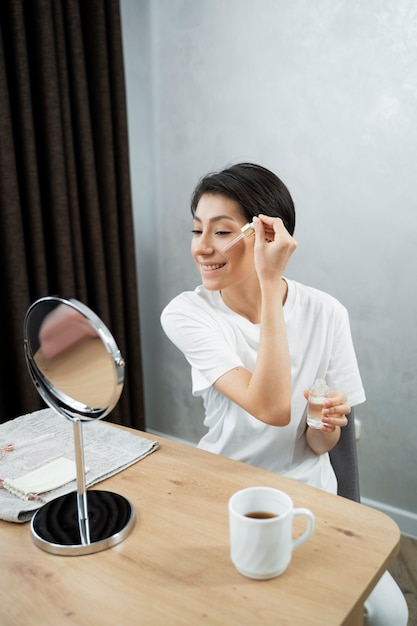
(78, 370)
(72, 357)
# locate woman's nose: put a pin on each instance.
(204, 244)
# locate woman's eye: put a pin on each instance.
(220, 233)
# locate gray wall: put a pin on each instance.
(324, 93)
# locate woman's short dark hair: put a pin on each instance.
(254, 188)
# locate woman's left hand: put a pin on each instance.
(273, 248)
(335, 409)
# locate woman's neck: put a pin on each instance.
(247, 302)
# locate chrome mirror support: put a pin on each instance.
(78, 371)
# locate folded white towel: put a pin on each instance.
(50, 476)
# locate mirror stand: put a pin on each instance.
(82, 522)
(79, 522)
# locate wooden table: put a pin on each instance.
(175, 568)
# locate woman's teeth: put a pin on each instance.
(214, 267)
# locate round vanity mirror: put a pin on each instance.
(78, 370)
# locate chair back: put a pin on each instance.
(344, 459)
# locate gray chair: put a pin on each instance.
(344, 459)
(386, 604)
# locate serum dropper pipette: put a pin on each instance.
(246, 231)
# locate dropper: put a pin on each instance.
(247, 231)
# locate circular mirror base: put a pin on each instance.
(55, 527)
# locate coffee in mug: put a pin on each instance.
(260, 515)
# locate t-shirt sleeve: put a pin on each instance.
(202, 340)
(343, 372)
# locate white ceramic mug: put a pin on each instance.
(260, 524)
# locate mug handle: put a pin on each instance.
(310, 526)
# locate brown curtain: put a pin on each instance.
(65, 205)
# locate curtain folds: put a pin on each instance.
(65, 204)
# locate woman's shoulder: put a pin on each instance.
(198, 300)
(305, 295)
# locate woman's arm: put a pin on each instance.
(266, 392)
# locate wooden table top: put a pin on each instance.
(175, 569)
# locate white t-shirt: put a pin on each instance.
(214, 340)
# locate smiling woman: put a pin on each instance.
(257, 340)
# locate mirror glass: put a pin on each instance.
(78, 370)
(72, 358)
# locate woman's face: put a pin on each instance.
(217, 221)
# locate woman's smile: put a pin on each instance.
(211, 267)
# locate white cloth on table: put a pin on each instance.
(50, 476)
(107, 451)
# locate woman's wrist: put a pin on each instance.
(322, 441)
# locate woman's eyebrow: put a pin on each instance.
(216, 218)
